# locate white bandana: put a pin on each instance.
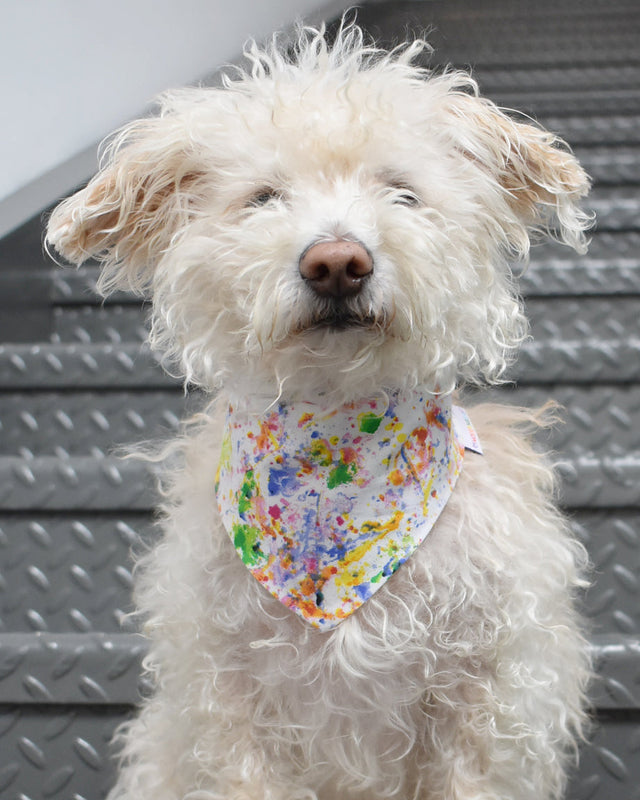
(323, 507)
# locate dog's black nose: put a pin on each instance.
(336, 269)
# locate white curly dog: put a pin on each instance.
(358, 592)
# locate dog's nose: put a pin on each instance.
(336, 269)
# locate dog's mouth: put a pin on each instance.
(342, 320)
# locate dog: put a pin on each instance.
(362, 589)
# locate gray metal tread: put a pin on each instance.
(616, 253)
(54, 366)
(114, 323)
(616, 208)
(572, 79)
(68, 572)
(57, 752)
(105, 484)
(616, 360)
(608, 761)
(547, 103)
(611, 165)
(85, 422)
(514, 33)
(611, 267)
(552, 318)
(616, 128)
(75, 668)
(64, 752)
(98, 669)
(71, 572)
(597, 420)
(106, 366)
(613, 540)
(75, 483)
(62, 424)
(587, 318)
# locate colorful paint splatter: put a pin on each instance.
(324, 507)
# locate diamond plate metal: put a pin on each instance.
(85, 422)
(609, 765)
(57, 753)
(78, 286)
(612, 266)
(585, 318)
(596, 129)
(68, 573)
(115, 366)
(576, 79)
(114, 323)
(599, 420)
(550, 103)
(503, 33)
(107, 366)
(611, 166)
(78, 482)
(617, 660)
(578, 361)
(616, 208)
(65, 668)
(613, 541)
(101, 669)
(83, 482)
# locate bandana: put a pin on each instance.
(323, 507)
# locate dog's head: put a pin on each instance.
(334, 221)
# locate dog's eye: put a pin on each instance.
(263, 196)
(405, 197)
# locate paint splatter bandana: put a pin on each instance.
(323, 507)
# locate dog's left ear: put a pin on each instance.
(542, 179)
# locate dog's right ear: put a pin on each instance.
(127, 214)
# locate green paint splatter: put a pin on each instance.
(369, 422)
(320, 452)
(246, 541)
(342, 473)
(247, 491)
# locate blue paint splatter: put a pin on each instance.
(283, 481)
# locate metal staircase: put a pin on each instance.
(76, 379)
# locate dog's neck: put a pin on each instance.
(264, 403)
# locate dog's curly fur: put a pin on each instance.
(464, 676)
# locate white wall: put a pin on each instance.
(73, 70)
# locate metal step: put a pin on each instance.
(69, 572)
(616, 208)
(614, 360)
(611, 166)
(595, 419)
(113, 323)
(96, 366)
(621, 127)
(89, 422)
(108, 484)
(100, 669)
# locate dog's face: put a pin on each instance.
(335, 224)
